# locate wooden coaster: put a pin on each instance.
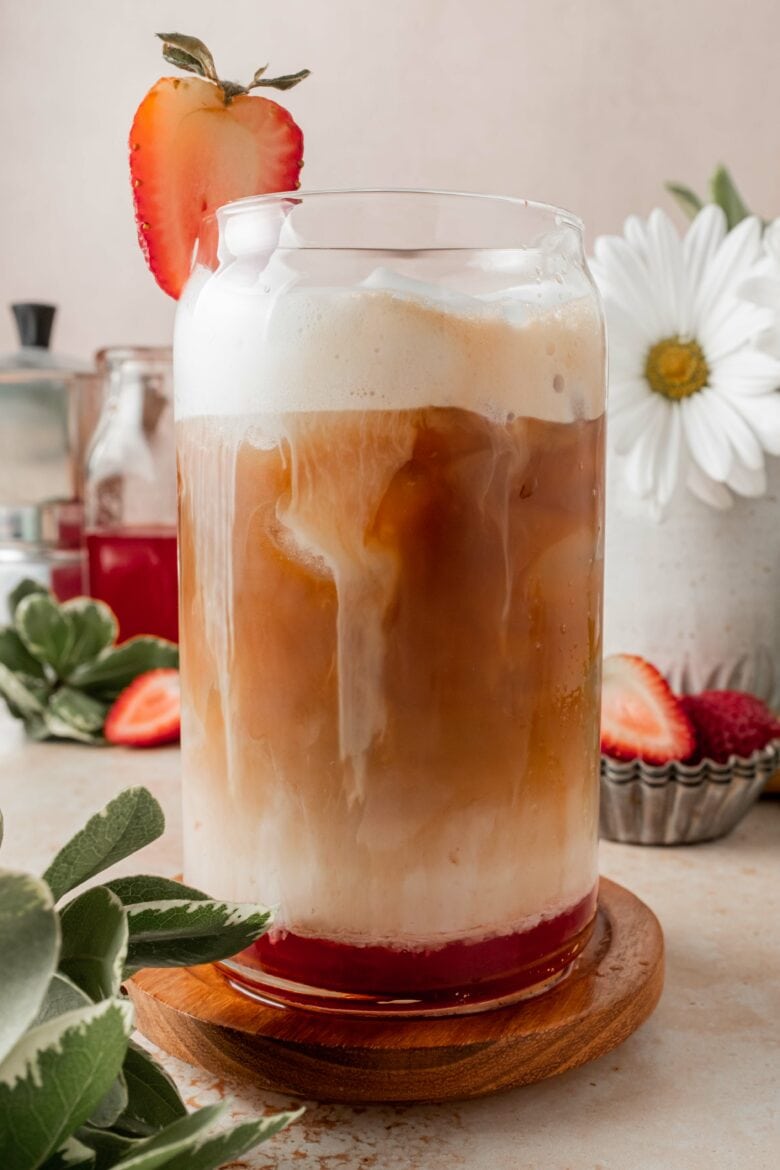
(616, 982)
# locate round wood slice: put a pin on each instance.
(616, 982)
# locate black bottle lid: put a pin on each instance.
(34, 323)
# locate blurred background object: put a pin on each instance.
(130, 493)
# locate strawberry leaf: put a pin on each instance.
(188, 53)
(54, 1078)
(126, 824)
(115, 668)
(94, 942)
(29, 940)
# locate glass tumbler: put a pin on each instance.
(390, 424)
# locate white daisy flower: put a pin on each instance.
(693, 399)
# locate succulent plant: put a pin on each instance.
(60, 669)
(76, 1093)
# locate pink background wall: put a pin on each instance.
(586, 103)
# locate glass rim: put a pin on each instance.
(549, 210)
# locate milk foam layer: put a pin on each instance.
(244, 346)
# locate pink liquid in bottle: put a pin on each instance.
(134, 570)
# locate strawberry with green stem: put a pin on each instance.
(199, 142)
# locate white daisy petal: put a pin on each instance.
(709, 492)
(742, 437)
(635, 231)
(666, 272)
(739, 327)
(747, 481)
(668, 463)
(641, 466)
(761, 289)
(748, 372)
(627, 425)
(708, 445)
(731, 263)
(763, 417)
(701, 242)
(622, 277)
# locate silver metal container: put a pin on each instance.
(680, 804)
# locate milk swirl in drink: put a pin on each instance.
(390, 545)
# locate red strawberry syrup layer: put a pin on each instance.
(491, 969)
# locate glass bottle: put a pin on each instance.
(390, 417)
(130, 493)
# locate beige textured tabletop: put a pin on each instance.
(697, 1088)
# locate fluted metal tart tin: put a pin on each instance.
(680, 804)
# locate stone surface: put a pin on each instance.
(695, 1089)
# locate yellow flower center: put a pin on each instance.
(676, 368)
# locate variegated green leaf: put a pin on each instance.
(19, 695)
(15, 655)
(79, 710)
(157, 1151)
(43, 628)
(206, 1152)
(94, 942)
(115, 668)
(62, 995)
(29, 941)
(127, 823)
(144, 887)
(71, 1155)
(182, 933)
(55, 1076)
(153, 1099)
(24, 589)
(94, 628)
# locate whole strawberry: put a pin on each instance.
(729, 723)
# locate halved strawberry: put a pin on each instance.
(147, 713)
(640, 717)
(197, 143)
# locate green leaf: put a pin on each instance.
(94, 942)
(24, 589)
(72, 1155)
(15, 655)
(111, 1105)
(724, 192)
(114, 669)
(55, 1076)
(688, 200)
(150, 888)
(57, 728)
(94, 628)
(158, 1150)
(62, 995)
(29, 941)
(127, 823)
(153, 1099)
(80, 711)
(209, 1153)
(182, 933)
(107, 1145)
(43, 628)
(20, 697)
(188, 53)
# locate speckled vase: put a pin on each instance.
(698, 592)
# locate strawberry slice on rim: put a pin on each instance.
(199, 142)
(641, 719)
(148, 712)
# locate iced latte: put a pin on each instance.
(390, 545)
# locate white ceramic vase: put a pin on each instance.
(697, 593)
